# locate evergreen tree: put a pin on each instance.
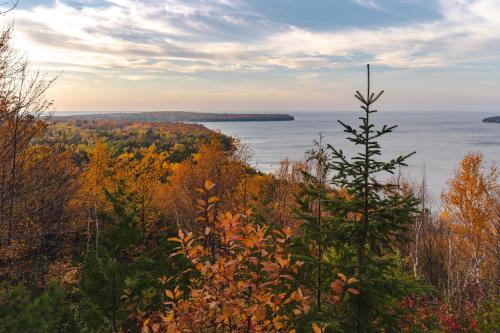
(116, 259)
(49, 312)
(370, 218)
(122, 277)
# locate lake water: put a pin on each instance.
(440, 139)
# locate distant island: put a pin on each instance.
(178, 116)
(495, 119)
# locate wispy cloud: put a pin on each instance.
(366, 3)
(142, 38)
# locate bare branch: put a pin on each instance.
(3, 12)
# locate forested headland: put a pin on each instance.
(180, 116)
(492, 119)
(133, 226)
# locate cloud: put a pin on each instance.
(465, 34)
(366, 3)
(138, 39)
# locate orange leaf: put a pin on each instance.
(261, 312)
(352, 280)
(177, 292)
(251, 310)
(169, 294)
(171, 328)
(316, 328)
(174, 239)
(212, 200)
(248, 243)
(335, 298)
(353, 291)
(337, 287)
(209, 185)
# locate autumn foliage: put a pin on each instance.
(241, 279)
(119, 226)
(472, 211)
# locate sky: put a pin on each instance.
(262, 55)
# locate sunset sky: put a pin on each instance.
(265, 55)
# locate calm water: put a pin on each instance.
(440, 139)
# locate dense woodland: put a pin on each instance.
(116, 226)
(180, 116)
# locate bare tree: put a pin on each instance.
(23, 108)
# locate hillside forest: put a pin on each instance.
(120, 226)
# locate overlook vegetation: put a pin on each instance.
(119, 226)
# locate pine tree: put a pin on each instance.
(371, 217)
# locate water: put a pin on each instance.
(441, 139)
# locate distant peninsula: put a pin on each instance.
(178, 116)
(495, 120)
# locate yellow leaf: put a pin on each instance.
(169, 294)
(209, 185)
(300, 294)
(316, 328)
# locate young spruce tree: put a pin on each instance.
(370, 217)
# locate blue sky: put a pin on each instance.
(263, 55)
